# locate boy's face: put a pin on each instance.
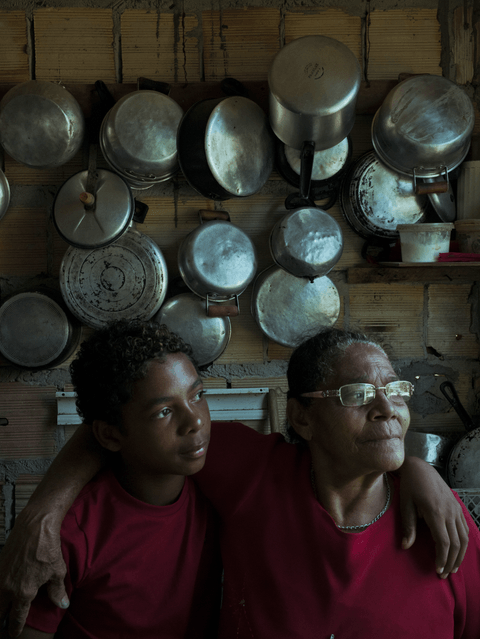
(166, 424)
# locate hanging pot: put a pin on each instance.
(37, 330)
(375, 199)
(307, 242)
(290, 309)
(138, 137)
(4, 194)
(423, 129)
(41, 124)
(226, 147)
(186, 315)
(124, 280)
(463, 469)
(217, 261)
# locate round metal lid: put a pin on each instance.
(114, 209)
(4, 194)
(186, 315)
(314, 75)
(290, 309)
(239, 146)
(139, 135)
(326, 163)
(307, 242)
(41, 124)
(124, 280)
(34, 329)
(443, 203)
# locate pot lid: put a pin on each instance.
(443, 203)
(314, 75)
(113, 212)
(4, 194)
(239, 146)
(186, 315)
(124, 280)
(139, 135)
(290, 309)
(326, 162)
(307, 242)
(34, 330)
(41, 124)
(217, 258)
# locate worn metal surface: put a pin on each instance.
(326, 163)
(4, 194)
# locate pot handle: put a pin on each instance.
(145, 84)
(232, 86)
(431, 187)
(141, 210)
(206, 215)
(223, 310)
(448, 390)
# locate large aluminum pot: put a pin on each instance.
(4, 194)
(374, 199)
(138, 138)
(424, 126)
(314, 82)
(41, 124)
(217, 260)
(307, 242)
(290, 309)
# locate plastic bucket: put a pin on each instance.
(468, 191)
(424, 242)
(468, 235)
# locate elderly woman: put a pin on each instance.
(311, 533)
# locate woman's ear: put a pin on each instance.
(297, 416)
(107, 435)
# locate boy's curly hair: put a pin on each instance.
(112, 359)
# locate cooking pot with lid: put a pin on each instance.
(41, 124)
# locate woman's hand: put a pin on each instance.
(30, 558)
(424, 494)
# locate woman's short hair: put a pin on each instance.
(313, 363)
(112, 359)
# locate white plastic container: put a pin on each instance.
(423, 242)
(468, 235)
(468, 191)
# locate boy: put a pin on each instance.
(140, 540)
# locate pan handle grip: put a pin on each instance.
(448, 390)
(431, 187)
(207, 215)
(221, 310)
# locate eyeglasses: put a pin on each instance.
(360, 394)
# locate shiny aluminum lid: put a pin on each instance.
(326, 162)
(239, 146)
(34, 329)
(124, 280)
(307, 242)
(113, 212)
(186, 315)
(4, 194)
(290, 309)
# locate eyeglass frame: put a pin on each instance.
(337, 393)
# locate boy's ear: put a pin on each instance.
(297, 417)
(107, 435)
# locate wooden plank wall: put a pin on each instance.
(427, 326)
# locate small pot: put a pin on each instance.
(307, 242)
(186, 315)
(41, 124)
(4, 194)
(217, 260)
(290, 309)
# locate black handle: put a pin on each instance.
(141, 210)
(3, 421)
(145, 84)
(231, 86)
(448, 390)
(306, 168)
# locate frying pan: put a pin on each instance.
(463, 467)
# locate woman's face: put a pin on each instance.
(359, 440)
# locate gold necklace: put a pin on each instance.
(380, 514)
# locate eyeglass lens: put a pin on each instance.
(360, 394)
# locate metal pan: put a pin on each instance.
(463, 468)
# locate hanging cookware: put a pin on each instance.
(138, 137)
(186, 315)
(124, 280)
(4, 194)
(290, 309)
(307, 242)
(225, 147)
(41, 124)
(463, 468)
(37, 330)
(87, 221)
(430, 447)
(313, 83)
(374, 199)
(217, 260)
(423, 129)
(443, 203)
